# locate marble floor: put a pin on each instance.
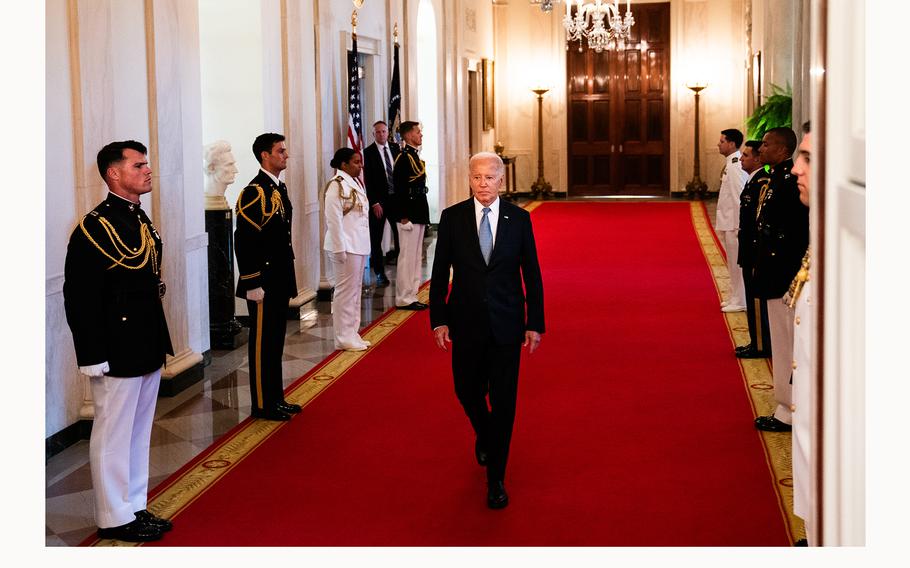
(191, 421)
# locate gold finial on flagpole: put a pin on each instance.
(395, 33)
(354, 21)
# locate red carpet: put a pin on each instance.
(633, 427)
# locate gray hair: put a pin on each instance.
(489, 156)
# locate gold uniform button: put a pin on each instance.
(797, 320)
(123, 318)
(792, 408)
(794, 364)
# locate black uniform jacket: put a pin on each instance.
(410, 179)
(486, 296)
(262, 240)
(748, 227)
(111, 290)
(783, 234)
(374, 174)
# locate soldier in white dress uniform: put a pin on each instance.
(800, 297)
(726, 224)
(347, 241)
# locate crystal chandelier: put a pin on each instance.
(599, 21)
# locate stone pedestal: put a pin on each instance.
(224, 329)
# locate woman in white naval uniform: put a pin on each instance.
(347, 240)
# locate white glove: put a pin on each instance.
(406, 226)
(255, 295)
(95, 370)
(339, 257)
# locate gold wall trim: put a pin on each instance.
(151, 80)
(217, 461)
(285, 71)
(757, 379)
(76, 103)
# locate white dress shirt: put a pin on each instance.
(274, 179)
(492, 217)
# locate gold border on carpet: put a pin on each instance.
(756, 374)
(229, 452)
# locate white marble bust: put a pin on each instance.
(220, 170)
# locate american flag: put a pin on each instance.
(355, 126)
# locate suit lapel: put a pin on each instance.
(503, 228)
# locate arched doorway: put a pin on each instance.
(428, 98)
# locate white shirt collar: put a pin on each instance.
(494, 207)
(347, 177)
(755, 173)
(124, 198)
(274, 179)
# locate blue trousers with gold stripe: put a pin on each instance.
(268, 322)
(756, 316)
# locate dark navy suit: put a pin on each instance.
(487, 314)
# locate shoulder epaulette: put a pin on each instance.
(735, 160)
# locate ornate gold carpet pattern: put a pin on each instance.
(757, 378)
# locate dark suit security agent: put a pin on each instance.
(489, 246)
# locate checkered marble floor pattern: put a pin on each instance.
(188, 423)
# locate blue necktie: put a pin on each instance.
(486, 236)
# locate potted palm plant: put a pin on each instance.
(777, 110)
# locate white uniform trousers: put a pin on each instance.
(346, 300)
(119, 445)
(780, 320)
(803, 428)
(730, 240)
(408, 275)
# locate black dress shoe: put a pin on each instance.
(748, 347)
(772, 424)
(289, 407)
(381, 281)
(480, 452)
(135, 531)
(751, 354)
(497, 498)
(413, 306)
(150, 518)
(271, 414)
(801, 542)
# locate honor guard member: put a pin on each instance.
(412, 213)
(783, 237)
(756, 308)
(800, 298)
(262, 243)
(112, 294)
(726, 223)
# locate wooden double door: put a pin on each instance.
(619, 112)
